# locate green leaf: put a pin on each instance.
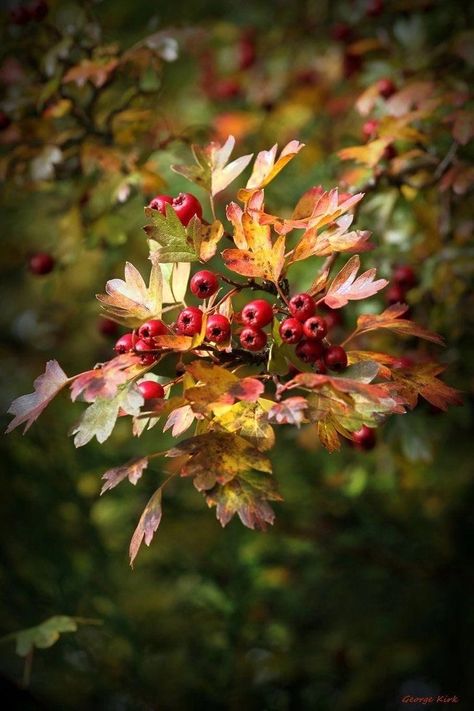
(44, 635)
(177, 244)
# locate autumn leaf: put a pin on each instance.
(105, 378)
(390, 319)
(131, 302)
(147, 525)
(262, 258)
(213, 171)
(369, 154)
(180, 420)
(334, 239)
(132, 471)
(27, 408)
(267, 167)
(250, 420)
(248, 498)
(95, 71)
(100, 417)
(218, 457)
(175, 278)
(216, 386)
(289, 412)
(421, 380)
(345, 287)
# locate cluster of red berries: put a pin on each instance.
(24, 14)
(403, 279)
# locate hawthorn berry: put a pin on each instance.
(386, 88)
(405, 276)
(38, 10)
(402, 362)
(5, 121)
(151, 390)
(258, 313)
(107, 327)
(253, 339)
(335, 358)
(395, 294)
(315, 327)
(291, 330)
(150, 329)
(365, 438)
(204, 284)
(226, 89)
(185, 205)
(309, 350)
(352, 64)
(41, 263)
(125, 343)
(218, 328)
(370, 127)
(143, 349)
(302, 306)
(342, 32)
(189, 321)
(246, 50)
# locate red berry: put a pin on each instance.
(386, 88)
(253, 339)
(41, 263)
(302, 306)
(159, 203)
(107, 327)
(341, 32)
(218, 328)
(309, 350)
(20, 15)
(352, 64)
(315, 327)
(125, 343)
(395, 294)
(186, 206)
(258, 313)
(369, 129)
(150, 329)
(143, 349)
(389, 153)
(38, 10)
(189, 321)
(335, 358)
(291, 330)
(5, 121)
(151, 390)
(365, 438)
(204, 284)
(405, 276)
(226, 89)
(246, 50)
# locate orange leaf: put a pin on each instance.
(390, 319)
(369, 154)
(265, 168)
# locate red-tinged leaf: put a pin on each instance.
(131, 302)
(463, 126)
(174, 343)
(331, 241)
(234, 214)
(416, 94)
(218, 457)
(346, 287)
(314, 381)
(421, 380)
(27, 408)
(266, 168)
(147, 525)
(247, 389)
(180, 420)
(367, 100)
(262, 258)
(104, 380)
(328, 435)
(382, 359)
(132, 471)
(369, 154)
(247, 496)
(95, 71)
(289, 412)
(460, 178)
(390, 319)
(213, 172)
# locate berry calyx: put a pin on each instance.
(253, 339)
(186, 205)
(151, 390)
(125, 343)
(386, 88)
(370, 127)
(365, 438)
(291, 330)
(315, 327)
(189, 321)
(336, 358)
(152, 328)
(309, 350)
(218, 328)
(395, 294)
(302, 306)
(258, 313)
(41, 263)
(204, 284)
(405, 276)
(159, 203)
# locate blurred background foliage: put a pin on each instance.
(361, 592)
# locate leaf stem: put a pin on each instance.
(26, 678)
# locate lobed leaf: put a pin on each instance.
(147, 525)
(390, 319)
(130, 301)
(99, 419)
(132, 471)
(345, 287)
